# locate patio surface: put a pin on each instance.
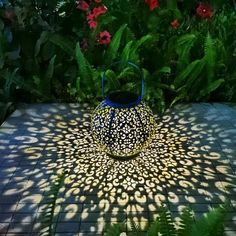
(191, 162)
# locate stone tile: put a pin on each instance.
(71, 217)
(65, 234)
(201, 207)
(20, 228)
(119, 216)
(5, 208)
(89, 234)
(91, 216)
(31, 198)
(24, 217)
(3, 227)
(27, 208)
(96, 228)
(67, 227)
(230, 233)
(5, 217)
(142, 225)
(193, 157)
(9, 199)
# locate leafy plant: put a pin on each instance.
(54, 55)
(208, 225)
(47, 226)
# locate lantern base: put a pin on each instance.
(123, 158)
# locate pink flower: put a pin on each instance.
(92, 24)
(174, 24)
(82, 5)
(90, 17)
(104, 38)
(97, 1)
(204, 10)
(97, 11)
(152, 4)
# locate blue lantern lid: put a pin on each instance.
(122, 99)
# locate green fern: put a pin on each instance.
(211, 224)
(85, 69)
(141, 42)
(153, 229)
(125, 56)
(186, 222)
(112, 51)
(210, 57)
(166, 225)
(112, 79)
(115, 230)
(187, 76)
(47, 216)
(64, 43)
(42, 39)
(183, 48)
(210, 88)
(135, 228)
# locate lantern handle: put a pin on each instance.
(134, 66)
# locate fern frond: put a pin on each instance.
(153, 229)
(183, 48)
(135, 228)
(85, 70)
(64, 43)
(115, 230)
(210, 224)
(188, 75)
(114, 46)
(141, 42)
(48, 214)
(210, 57)
(186, 222)
(210, 88)
(125, 56)
(166, 225)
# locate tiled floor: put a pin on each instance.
(191, 162)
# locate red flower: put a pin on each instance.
(204, 10)
(90, 17)
(97, 11)
(174, 24)
(92, 24)
(97, 1)
(82, 5)
(152, 4)
(104, 38)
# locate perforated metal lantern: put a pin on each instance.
(123, 125)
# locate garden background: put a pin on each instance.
(57, 50)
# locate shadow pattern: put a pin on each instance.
(190, 162)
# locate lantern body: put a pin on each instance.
(123, 131)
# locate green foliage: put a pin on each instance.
(115, 230)
(184, 45)
(186, 222)
(47, 217)
(166, 225)
(210, 224)
(114, 46)
(49, 49)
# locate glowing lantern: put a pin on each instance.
(122, 124)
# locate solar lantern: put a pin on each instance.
(122, 124)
